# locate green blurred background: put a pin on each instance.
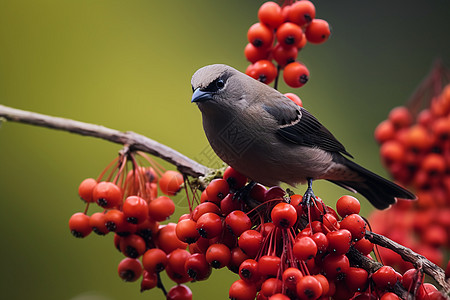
(127, 65)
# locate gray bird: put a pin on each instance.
(270, 139)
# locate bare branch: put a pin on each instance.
(135, 141)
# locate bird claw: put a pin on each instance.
(309, 196)
(243, 194)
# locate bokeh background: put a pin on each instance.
(127, 65)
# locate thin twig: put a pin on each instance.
(134, 141)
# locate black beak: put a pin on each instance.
(201, 96)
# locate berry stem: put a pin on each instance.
(275, 84)
(160, 284)
(156, 166)
(99, 178)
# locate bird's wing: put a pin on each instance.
(298, 126)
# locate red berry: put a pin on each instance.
(270, 14)
(218, 255)
(235, 179)
(85, 189)
(258, 192)
(107, 194)
(269, 265)
(326, 285)
(412, 278)
(384, 277)
(330, 223)
(335, 265)
(97, 221)
(289, 35)
(355, 224)
(253, 54)
(271, 286)
(209, 225)
(135, 209)
(167, 238)
(216, 190)
(274, 192)
(291, 277)
(186, 231)
(389, 296)
(154, 260)
(132, 246)
(237, 222)
(434, 164)
(294, 98)
(318, 31)
(260, 36)
(302, 12)
(248, 271)
(339, 241)
(304, 248)
(204, 208)
(197, 267)
(321, 241)
(170, 182)
(149, 281)
(237, 258)
(250, 242)
(279, 296)
(179, 292)
(241, 290)
(263, 70)
(229, 204)
(385, 131)
(175, 266)
(296, 74)
(364, 246)
(400, 117)
(309, 288)
(356, 279)
(161, 208)
(130, 269)
(347, 205)
(284, 215)
(79, 225)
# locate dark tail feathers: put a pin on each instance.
(379, 191)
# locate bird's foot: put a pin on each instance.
(308, 197)
(243, 193)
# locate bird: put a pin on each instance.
(267, 137)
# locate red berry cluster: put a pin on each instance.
(279, 35)
(280, 246)
(416, 152)
(132, 210)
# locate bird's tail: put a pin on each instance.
(379, 191)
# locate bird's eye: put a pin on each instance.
(220, 84)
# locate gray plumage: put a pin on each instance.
(267, 137)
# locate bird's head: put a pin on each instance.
(217, 85)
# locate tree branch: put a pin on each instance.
(372, 266)
(419, 261)
(135, 141)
